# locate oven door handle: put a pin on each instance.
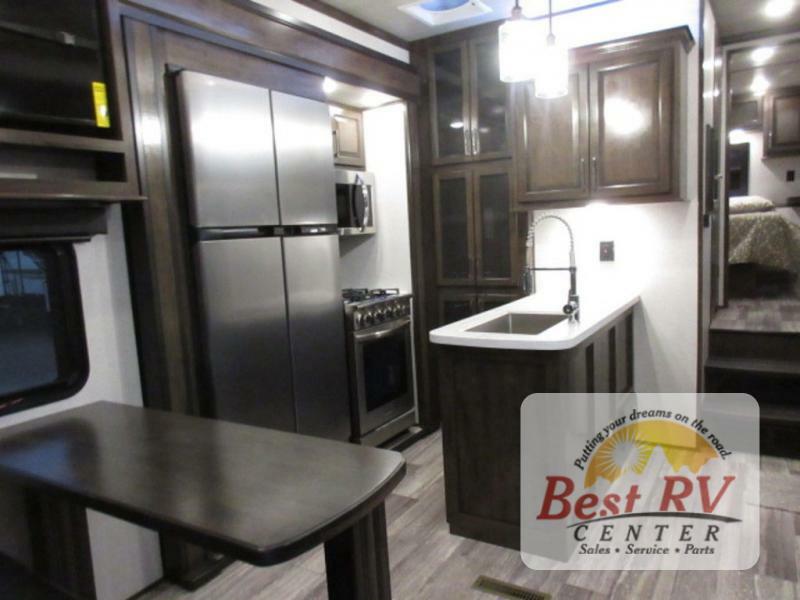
(381, 333)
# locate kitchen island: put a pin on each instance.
(487, 365)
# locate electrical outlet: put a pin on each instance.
(790, 175)
(606, 251)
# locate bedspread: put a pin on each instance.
(765, 238)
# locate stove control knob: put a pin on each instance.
(357, 319)
(369, 318)
(380, 315)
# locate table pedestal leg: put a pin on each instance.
(357, 560)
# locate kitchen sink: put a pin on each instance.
(516, 323)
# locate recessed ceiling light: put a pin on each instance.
(761, 55)
(778, 8)
(329, 85)
(760, 85)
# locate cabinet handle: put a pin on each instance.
(467, 142)
(476, 141)
(594, 170)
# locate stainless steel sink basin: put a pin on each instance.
(529, 324)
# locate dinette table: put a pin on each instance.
(257, 495)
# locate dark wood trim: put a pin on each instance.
(353, 21)
(278, 39)
(422, 240)
(701, 202)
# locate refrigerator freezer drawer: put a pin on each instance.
(304, 155)
(316, 326)
(227, 139)
(246, 337)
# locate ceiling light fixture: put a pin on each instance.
(776, 9)
(518, 47)
(552, 74)
(761, 55)
(329, 85)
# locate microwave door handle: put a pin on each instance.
(358, 203)
(382, 333)
(366, 196)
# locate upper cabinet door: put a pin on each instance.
(782, 122)
(348, 137)
(455, 247)
(229, 155)
(304, 155)
(449, 75)
(489, 101)
(632, 124)
(553, 142)
(495, 226)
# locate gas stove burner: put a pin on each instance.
(362, 294)
(383, 292)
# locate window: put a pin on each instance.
(43, 355)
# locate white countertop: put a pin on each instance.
(597, 310)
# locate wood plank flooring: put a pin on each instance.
(429, 563)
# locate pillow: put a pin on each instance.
(750, 204)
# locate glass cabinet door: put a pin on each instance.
(495, 225)
(452, 198)
(450, 102)
(489, 102)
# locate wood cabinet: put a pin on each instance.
(782, 122)
(348, 137)
(553, 142)
(481, 392)
(469, 103)
(476, 231)
(614, 136)
(456, 304)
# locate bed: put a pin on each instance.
(761, 235)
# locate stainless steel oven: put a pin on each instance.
(355, 202)
(381, 368)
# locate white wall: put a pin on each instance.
(383, 259)
(656, 244)
(768, 175)
(318, 19)
(126, 558)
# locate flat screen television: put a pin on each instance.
(52, 71)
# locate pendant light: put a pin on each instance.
(552, 65)
(518, 47)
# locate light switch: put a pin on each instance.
(606, 251)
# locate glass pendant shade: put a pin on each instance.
(552, 72)
(518, 49)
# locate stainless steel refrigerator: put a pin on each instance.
(262, 208)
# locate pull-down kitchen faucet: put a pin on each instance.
(572, 307)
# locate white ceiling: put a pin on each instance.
(742, 17)
(782, 70)
(385, 14)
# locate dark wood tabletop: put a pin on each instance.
(257, 495)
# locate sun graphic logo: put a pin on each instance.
(629, 450)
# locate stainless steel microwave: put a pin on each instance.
(355, 202)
